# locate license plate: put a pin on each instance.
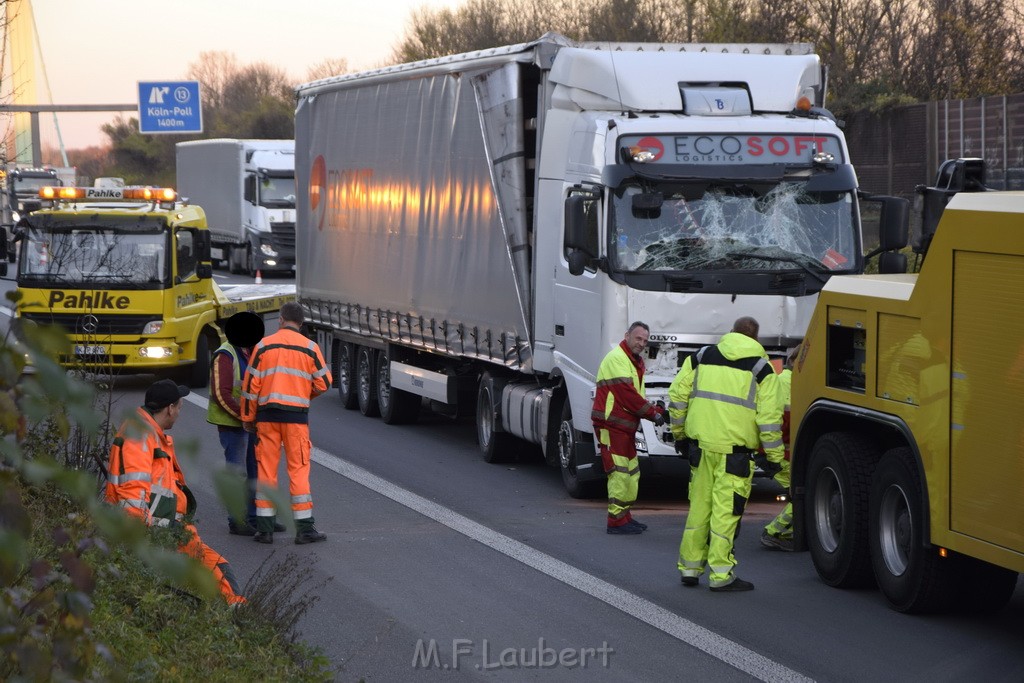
(90, 350)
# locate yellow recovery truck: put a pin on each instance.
(126, 272)
(908, 413)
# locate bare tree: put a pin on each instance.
(214, 70)
(326, 68)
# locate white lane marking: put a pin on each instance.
(682, 629)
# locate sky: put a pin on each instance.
(96, 51)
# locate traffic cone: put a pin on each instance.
(259, 278)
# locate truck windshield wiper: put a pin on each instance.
(795, 259)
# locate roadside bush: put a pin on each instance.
(88, 593)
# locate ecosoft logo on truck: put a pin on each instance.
(734, 149)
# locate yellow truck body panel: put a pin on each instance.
(935, 362)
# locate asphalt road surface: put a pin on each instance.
(440, 564)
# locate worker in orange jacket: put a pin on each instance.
(286, 372)
(145, 480)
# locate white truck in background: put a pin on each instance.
(247, 188)
(479, 230)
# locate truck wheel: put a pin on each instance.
(366, 382)
(838, 485)
(253, 260)
(344, 374)
(236, 259)
(199, 372)
(496, 447)
(568, 438)
(910, 573)
(396, 406)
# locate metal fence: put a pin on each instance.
(896, 150)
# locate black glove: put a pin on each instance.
(683, 447)
(767, 466)
(659, 419)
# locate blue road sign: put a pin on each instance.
(170, 107)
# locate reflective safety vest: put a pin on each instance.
(285, 372)
(215, 412)
(143, 475)
(727, 396)
(619, 402)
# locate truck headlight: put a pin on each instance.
(153, 326)
(156, 352)
(15, 216)
(268, 250)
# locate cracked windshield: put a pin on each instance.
(732, 226)
(95, 256)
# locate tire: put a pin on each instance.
(366, 382)
(344, 374)
(236, 260)
(568, 439)
(911, 574)
(252, 260)
(836, 511)
(396, 406)
(495, 446)
(198, 374)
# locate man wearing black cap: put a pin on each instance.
(243, 330)
(145, 480)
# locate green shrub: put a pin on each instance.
(89, 593)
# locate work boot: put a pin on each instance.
(736, 586)
(309, 535)
(625, 529)
(773, 542)
(263, 537)
(689, 581)
(634, 520)
(277, 525)
(241, 529)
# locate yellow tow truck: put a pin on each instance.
(127, 273)
(908, 413)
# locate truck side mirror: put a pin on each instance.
(249, 192)
(894, 223)
(578, 262)
(204, 270)
(892, 262)
(577, 225)
(202, 245)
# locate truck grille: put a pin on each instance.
(282, 237)
(93, 325)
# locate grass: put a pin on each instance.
(144, 629)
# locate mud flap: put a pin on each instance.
(588, 461)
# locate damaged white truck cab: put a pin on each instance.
(484, 228)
